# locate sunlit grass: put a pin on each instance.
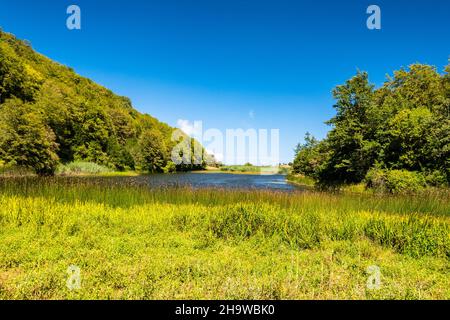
(131, 241)
(300, 180)
(82, 168)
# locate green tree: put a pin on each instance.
(90, 122)
(152, 151)
(25, 139)
(14, 76)
(308, 157)
(351, 152)
(402, 126)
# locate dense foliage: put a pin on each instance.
(49, 115)
(399, 133)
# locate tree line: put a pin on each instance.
(50, 115)
(394, 137)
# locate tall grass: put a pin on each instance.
(300, 179)
(81, 167)
(129, 191)
(15, 171)
(409, 225)
(138, 242)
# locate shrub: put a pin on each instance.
(286, 170)
(436, 178)
(376, 179)
(395, 181)
(170, 167)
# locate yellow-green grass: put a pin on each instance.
(132, 242)
(300, 180)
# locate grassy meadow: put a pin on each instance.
(132, 242)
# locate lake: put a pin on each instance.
(202, 180)
(221, 180)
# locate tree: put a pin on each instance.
(88, 122)
(14, 77)
(25, 139)
(403, 126)
(407, 133)
(351, 153)
(152, 156)
(307, 156)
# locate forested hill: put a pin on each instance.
(51, 115)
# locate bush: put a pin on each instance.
(80, 167)
(170, 167)
(284, 170)
(436, 178)
(376, 179)
(395, 181)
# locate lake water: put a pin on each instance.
(223, 180)
(209, 180)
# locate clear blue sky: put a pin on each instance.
(219, 60)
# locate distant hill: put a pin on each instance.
(51, 115)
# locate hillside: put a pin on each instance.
(51, 115)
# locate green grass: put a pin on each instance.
(82, 168)
(133, 242)
(242, 168)
(300, 180)
(14, 171)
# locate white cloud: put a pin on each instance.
(251, 114)
(191, 129)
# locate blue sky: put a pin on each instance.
(234, 63)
